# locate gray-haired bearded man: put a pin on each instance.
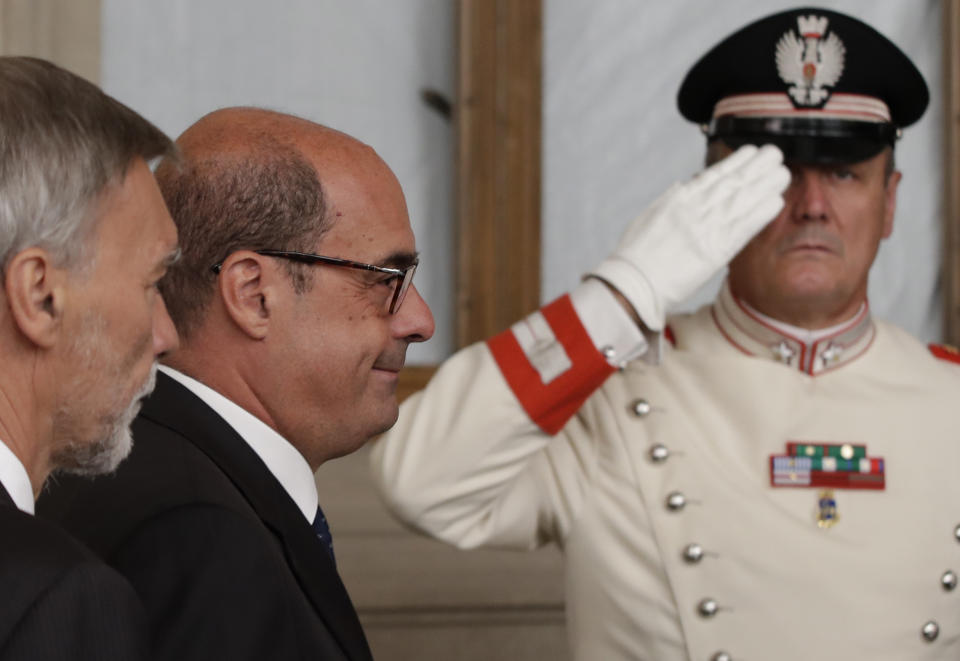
(84, 238)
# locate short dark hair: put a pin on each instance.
(267, 196)
(62, 143)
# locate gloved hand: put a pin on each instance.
(693, 230)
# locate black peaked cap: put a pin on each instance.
(820, 73)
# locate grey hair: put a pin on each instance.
(63, 143)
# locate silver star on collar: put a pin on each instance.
(831, 354)
(783, 352)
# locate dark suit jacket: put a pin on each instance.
(222, 558)
(57, 601)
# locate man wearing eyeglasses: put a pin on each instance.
(294, 302)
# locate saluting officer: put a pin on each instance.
(782, 485)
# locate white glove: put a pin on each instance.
(693, 230)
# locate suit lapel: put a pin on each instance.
(173, 406)
(5, 498)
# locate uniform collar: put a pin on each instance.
(280, 457)
(811, 352)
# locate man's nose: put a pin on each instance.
(413, 321)
(807, 195)
(165, 338)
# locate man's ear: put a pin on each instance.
(247, 290)
(36, 294)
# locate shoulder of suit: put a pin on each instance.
(29, 535)
(945, 352)
(35, 551)
(900, 350)
(898, 356)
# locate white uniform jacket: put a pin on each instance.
(657, 483)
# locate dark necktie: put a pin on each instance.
(323, 532)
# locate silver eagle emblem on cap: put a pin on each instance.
(809, 62)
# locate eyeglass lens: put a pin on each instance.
(402, 286)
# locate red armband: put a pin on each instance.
(550, 363)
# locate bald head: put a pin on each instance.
(232, 134)
(250, 179)
(246, 131)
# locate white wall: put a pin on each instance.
(613, 138)
(357, 66)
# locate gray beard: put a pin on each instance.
(105, 454)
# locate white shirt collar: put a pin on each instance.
(14, 478)
(281, 458)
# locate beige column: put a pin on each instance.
(951, 175)
(66, 32)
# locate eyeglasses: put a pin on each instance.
(402, 277)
